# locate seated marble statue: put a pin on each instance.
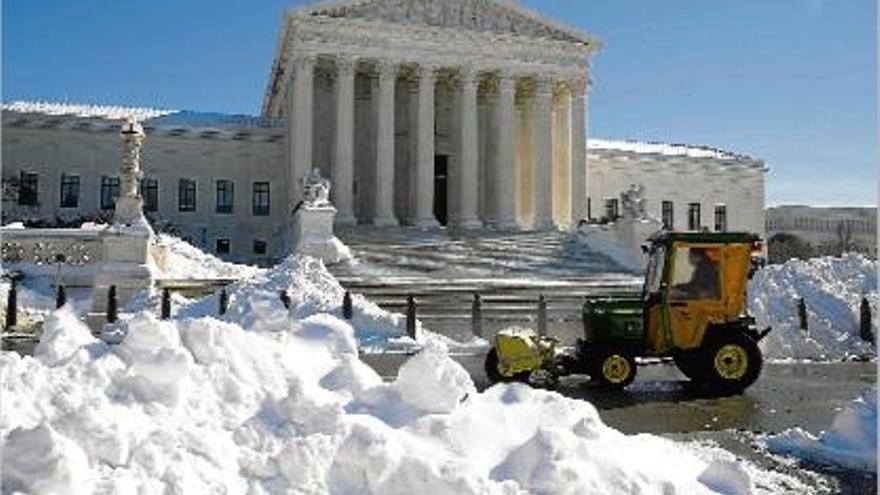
(633, 202)
(316, 189)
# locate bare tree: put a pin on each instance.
(845, 240)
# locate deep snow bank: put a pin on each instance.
(199, 405)
(832, 289)
(182, 260)
(851, 442)
(255, 303)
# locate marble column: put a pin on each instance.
(424, 174)
(543, 135)
(383, 206)
(504, 166)
(468, 185)
(579, 177)
(301, 124)
(343, 166)
(562, 159)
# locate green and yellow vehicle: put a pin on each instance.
(692, 309)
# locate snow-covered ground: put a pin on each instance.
(851, 443)
(832, 289)
(197, 405)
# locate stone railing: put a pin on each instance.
(96, 258)
(44, 251)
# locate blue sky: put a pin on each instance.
(789, 81)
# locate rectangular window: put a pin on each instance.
(109, 192)
(611, 209)
(261, 198)
(668, 215)
(225, 196)
(150, 193)
(720, 218)
(694, 216)
(259, 246)
(222, 246)
(28, 189)
(186, 195)
(69, 191)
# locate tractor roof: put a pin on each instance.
(667, 238)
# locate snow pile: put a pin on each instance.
(84, 110)
(851, 443)
(832, 289)
(181, 260)
(198, 405)
(255, 303)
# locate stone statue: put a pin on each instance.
(316, 189)
(633, 202)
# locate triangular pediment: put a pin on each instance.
(498, 16)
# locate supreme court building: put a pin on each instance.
(469, 114)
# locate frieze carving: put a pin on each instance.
(474, 15)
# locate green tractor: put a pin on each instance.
(692, 309)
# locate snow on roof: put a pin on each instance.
(85, 110)
(669, 149)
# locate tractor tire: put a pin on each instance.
(495, 376)
(612, 367)
(691, 365)
(732, 361)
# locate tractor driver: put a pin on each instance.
(704, 278)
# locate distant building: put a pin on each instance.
(828, 230)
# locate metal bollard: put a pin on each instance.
(802, 314)
(112, 305)
(865, 330)
(542, 315)
(285, 298)
(224, 301)
(11, 306)
(411, 317)
(347, 311)
(60, 297)
(477, 316)
(166, 304)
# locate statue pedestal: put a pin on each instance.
(126, 263)
(622, 240)
(313, 234)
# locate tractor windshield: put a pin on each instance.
(654, 275)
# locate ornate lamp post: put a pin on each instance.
(129, 206)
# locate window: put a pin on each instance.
(69, 191)
(694, 216)
(720, 218)
(222, 246)
(261, 198)
(695, 273)
(611, 209)
(28, 189)
(186, 195)
(225, 196)
(668, 215)
(109, 192)
(150, 193)
(259, 246)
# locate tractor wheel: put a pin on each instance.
(613, 367)
(495, 376)
(732, 361)
(691, 365)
